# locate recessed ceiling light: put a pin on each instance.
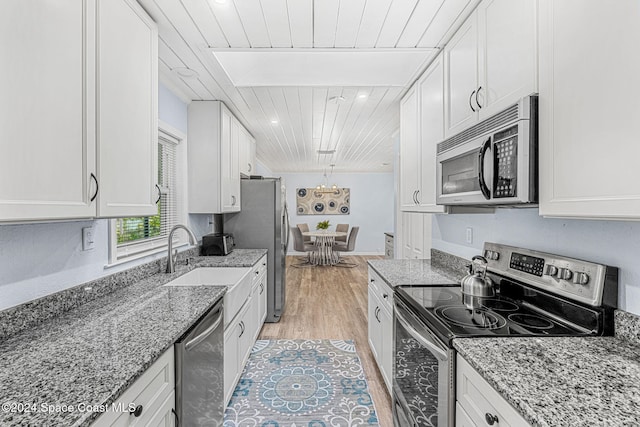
(362, 96)
(385, 164)
(326, 151)
(336, 99)
(185, 72)
(220, 1)
(274, 122)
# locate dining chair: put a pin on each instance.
(300, 246)
(304, 228)
(349, 246)
(342, 228)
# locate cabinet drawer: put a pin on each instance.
(259, 270)
(150, 391)
(480, 400)
(381, 289)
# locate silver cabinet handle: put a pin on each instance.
(417, 197)
(249, 166)
(478, 93)
(233, 200)
(261, 288)
(159, 194)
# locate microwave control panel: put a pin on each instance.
(506, 163)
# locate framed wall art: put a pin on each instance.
(311, 201)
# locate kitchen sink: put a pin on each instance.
(211, 276)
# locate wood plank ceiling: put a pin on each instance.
(359, 128)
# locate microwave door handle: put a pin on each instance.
(483, 185)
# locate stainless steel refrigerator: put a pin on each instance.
(263, 223)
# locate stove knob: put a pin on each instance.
(581, 278)
(565, 274)
(552, 270)
(495, 255)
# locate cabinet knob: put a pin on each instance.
(491, 419)
(136, 412)
(385, 296)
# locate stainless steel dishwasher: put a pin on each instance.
(200, 372)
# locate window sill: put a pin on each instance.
(141, 255)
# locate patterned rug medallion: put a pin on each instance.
(302, 383)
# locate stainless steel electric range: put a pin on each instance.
(537, 295)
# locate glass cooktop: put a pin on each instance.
(453, 314)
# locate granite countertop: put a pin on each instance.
(593, 381)
(94, 352)
(413, 272)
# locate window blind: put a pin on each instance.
(135, 230)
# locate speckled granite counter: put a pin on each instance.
(562, 381)
(92, 353)
(412, 272)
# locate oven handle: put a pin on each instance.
(431, 344)
(483, 185)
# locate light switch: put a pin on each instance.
(87, 239)
(469, 235)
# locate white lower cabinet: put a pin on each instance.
(149, 401)
(244, 327)
(479, 404)
(380, 325)
(416, 235)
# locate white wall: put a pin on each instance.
(615, 243)
(40, 259)
(371, 205)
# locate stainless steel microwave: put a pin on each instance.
(495, 162)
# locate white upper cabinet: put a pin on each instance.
(78, 110)
(213, 153)
(589, 100)
(490, 62)
(431, 117)
(409, 151)
(127, 124)
(421, 128)
(247, 153)
(461, 83)
(48, 138)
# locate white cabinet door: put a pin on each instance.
(373, 324)
(229, 130)
(386, 343)
(247, 152)
(417, 235)
(252, 155)
(409, 150)
(127, 126)
(431, 115)
(231, 359)
(48, 138)
(508, 47)
(262, 298)
(589, 92)
(461, 78)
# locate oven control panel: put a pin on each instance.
(588, 282)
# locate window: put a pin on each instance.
(136, 237)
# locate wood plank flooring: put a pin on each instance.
(331, 303)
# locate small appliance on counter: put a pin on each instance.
(217, 244)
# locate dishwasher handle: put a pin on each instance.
(201, 337)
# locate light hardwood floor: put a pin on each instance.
(331, 303)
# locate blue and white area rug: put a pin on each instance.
(302, 383)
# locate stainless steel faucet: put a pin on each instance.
(172, 255)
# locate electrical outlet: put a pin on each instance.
(88, 242)
(469, 235)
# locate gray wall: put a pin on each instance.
(372, 205)
(40, 259)
(615, 243)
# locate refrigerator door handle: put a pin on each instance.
(285, 223)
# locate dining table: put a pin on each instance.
(324, 240)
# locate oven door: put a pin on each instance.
(423, 374)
